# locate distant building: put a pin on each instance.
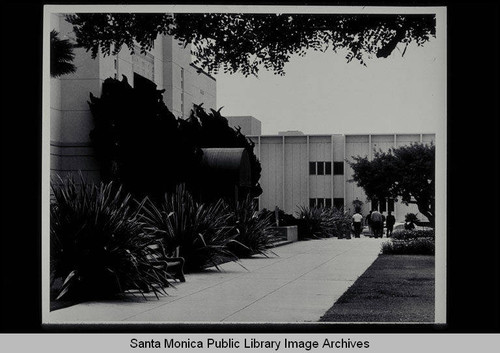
(290, 133)
(168, 65)
(248, 124)
(310, 170)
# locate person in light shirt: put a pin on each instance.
(357, 218)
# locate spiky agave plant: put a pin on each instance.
(98, 244)
(317, 222)
(255, 232)
(199, 231)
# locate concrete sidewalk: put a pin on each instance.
(298, 285)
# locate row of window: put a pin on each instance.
(325, 168)
(383, 205)
(326, 202)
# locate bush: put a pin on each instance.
(255, 232)
(98, 245)
(415, 246)
(199, 231)
(319, 222)
(413, 233)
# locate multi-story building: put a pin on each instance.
(168, 65)
(309, 170)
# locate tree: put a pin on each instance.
(142, 145)
(406, 172)
(61, 55)
(246, 42)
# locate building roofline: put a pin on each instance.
(328, 135)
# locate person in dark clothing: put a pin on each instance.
(369, 223)
(377, 224)
(389, 222)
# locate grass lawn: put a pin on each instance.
(395, 288)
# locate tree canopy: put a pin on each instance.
(246, 42)
(407, 172)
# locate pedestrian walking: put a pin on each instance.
(357, 218)
(369, 223)
(377, 223)
(390, 221)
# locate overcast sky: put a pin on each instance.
(322, 93)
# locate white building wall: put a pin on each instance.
(296, 172)
(70, 118)
(286, 182)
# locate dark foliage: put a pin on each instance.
(406, 172)
(199, 232)
(98, 245)
(255, 230)
(61, 55)
(236, 42)
(142, 145)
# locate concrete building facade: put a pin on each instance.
(168, 65)
(309, 170)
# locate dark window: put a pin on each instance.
(390, 205)
(338, 168)
(312, 168)
(312, 202)
(321, 203)
(328, 168)
(142, 83)
(328, 203)
(321, 168)
(338, 203)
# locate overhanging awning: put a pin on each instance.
(229, 164)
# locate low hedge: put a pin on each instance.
(413, 234)
(414, 246)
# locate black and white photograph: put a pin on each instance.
(244, 165)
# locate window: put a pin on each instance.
(321, 168)
(320, 203)
(312, 168)
(328, 203)
(338, 168)
(338, 203)
(312, 203)
(328, 168)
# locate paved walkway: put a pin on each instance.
(298, 285)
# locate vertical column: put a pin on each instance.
(395, 207)
(331, 162)
(369, 147)
(283, 170)
(345, 172)
(307, 171)
(260, 160)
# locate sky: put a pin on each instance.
(323, 94)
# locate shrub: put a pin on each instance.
(413, 233)
(199, 231)
(320, 222)
(98, 246)
(255, 232)
(415, 246)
